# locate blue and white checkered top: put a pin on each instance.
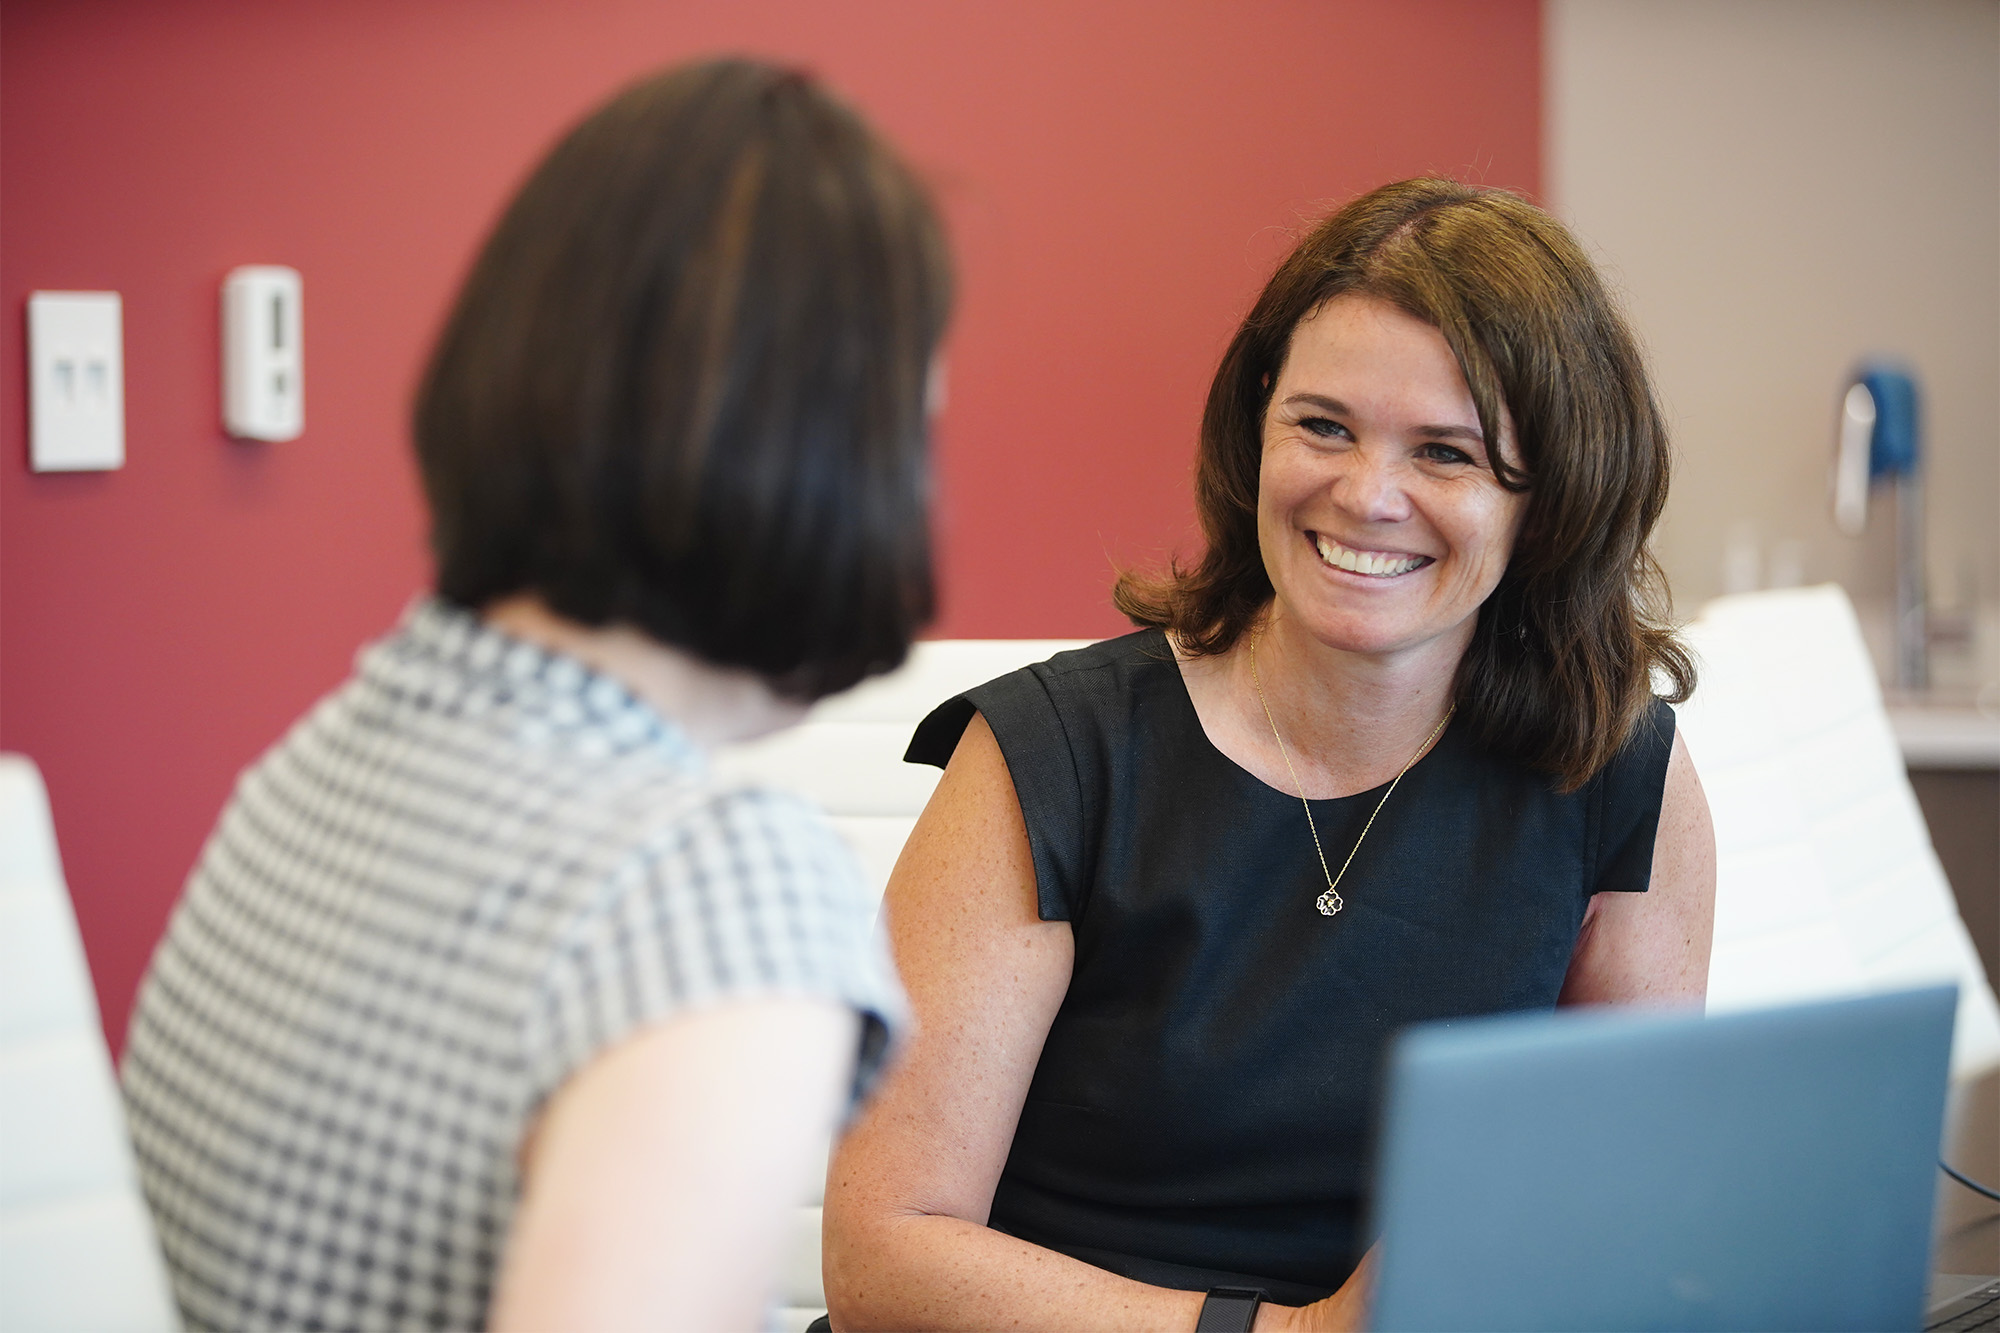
(463, 874)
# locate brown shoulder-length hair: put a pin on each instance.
(1563, 659)
(684, 387)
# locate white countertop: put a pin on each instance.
(1946, 736)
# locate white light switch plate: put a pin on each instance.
(76, 381)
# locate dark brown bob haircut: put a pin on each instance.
(684, 386)
(1563, 659)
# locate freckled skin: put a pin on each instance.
(1372, 439)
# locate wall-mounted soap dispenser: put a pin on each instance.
(263, 362)
(1880, 443)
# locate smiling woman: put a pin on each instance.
(1153, 991)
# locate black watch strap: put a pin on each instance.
(1229, 1310)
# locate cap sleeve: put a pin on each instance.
(752, 896)
(1626, 805)
(1040, 760)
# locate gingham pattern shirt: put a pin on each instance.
(462, 875)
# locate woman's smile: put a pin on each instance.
(1370, 564)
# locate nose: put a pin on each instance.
(1370, 487)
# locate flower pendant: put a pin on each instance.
(1330, 903)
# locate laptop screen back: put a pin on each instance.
(1618, 1170)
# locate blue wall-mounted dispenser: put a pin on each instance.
(1880, 442)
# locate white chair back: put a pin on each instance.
(1826, 883)
(848, 753)
(77, 1249)
(848, 756)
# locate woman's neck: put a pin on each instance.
(1349, 721)
(714, 705)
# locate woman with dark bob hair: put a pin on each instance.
(1388, 752)
(485, 1004)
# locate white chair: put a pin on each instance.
(1826, 883)
(77, 1249)
(848, 756)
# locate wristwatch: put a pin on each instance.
(1229, 1310)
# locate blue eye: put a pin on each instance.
(1324, 427)
(1445, 453)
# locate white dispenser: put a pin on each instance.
(263, 362)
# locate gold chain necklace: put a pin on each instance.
(1331, 902)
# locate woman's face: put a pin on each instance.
(1381, 523)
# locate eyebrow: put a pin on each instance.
(1337, 408)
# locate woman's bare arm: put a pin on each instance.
(1652, 947)
(662, 1176)
(910, 1188)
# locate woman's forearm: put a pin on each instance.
(923, 1271)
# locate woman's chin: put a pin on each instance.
(1361, 640)
(1385, 638)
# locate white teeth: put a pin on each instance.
(1372, 563)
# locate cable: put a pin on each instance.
(1969, 1182)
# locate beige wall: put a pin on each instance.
(1780, 187)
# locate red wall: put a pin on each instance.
(1119, 176)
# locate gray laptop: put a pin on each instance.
(1616, 1170)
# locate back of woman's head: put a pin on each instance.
(684, 387)
(1561, 663)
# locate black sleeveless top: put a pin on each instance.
(1204, 1108)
